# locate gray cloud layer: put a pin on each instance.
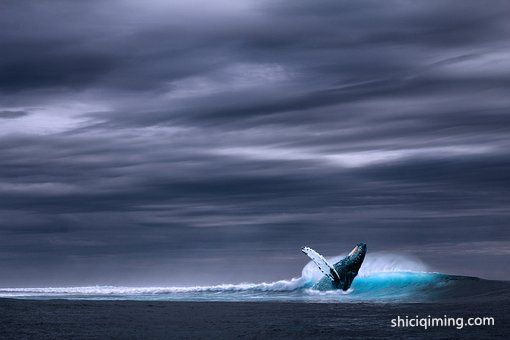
(184, 143)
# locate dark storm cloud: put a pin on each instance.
(160, 139)
(12, 114)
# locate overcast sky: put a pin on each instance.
(196, 142)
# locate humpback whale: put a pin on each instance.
(341, 274)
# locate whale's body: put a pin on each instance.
(341, 274)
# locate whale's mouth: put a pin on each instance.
(353, 251)
(382, 278)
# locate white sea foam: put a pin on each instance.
(374, 264)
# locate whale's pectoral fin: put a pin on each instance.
(321, 262)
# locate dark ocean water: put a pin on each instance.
(93, 319)
(388, 287)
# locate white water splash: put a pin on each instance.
(374, 264)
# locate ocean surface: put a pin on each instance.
(383, 278)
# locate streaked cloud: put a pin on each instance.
(147, 137)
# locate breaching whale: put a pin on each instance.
(341, 274)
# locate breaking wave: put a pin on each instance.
(382, 278)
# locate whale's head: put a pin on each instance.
(357, 255)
